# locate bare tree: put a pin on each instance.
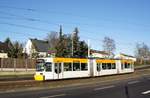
(142, 52)
(52, 39)
(109, 46)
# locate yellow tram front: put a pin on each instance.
(39, 70)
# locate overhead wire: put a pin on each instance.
(32, 19)
(63, 13)
(24, 26)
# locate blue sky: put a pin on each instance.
(126, 21)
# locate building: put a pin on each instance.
(125, 56)
(3, 50)
(36, 48)
(3, 55)
(98, 54)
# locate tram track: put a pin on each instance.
(30, 83)
(16, 78)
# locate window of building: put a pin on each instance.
(67, 67)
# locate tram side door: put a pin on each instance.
(58, 71)
(91, 67)
(98, 68)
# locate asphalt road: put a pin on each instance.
(135, 88)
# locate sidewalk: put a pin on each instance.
(142, 67)
(16, 69)
(9, 74)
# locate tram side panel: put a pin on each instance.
(75, 74)
(126, 66)
(108, 70)
(105, 67)
(75, 69)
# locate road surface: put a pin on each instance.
(135, 88)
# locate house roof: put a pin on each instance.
(126, 55)
(100, 52)
(3, 47)
(40, 45)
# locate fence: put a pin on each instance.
(13, 64)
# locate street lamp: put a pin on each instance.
(72, 36)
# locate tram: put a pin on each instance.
(64, 68)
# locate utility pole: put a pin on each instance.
(72, 36)
(88, 48)
(60, 31)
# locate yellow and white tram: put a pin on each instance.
(63, 68)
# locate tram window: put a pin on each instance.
(127, 65)
(104, 66)
(98, 66)
(113, 66)
(67, 67)
(48, 66)
(122, 66)
(76, 66)
(40, 67)
(84, 66)
(108, 65)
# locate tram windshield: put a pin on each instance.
(40, 65)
